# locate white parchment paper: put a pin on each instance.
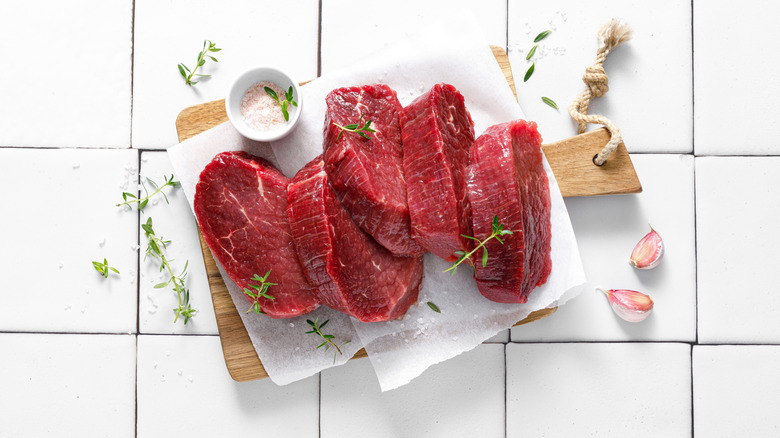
(453, 52)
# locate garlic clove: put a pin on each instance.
(648, 252)
(630, 305)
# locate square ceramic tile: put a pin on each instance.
(607, 229)
(737, 206)
(606, 390)
(66, 76)
(734, 81)
(650, 77)
(172, 221)
(249, 32)
(395, 21)
(736, 390)
(67, 385)
(461, 397)
(60, 215)
(183, 385)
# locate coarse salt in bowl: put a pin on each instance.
(254, 113)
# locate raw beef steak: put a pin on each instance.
(437, 133)
(367, 173)
(354, 274)
(241, 206)
(506, 178)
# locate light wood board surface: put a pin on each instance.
(570, 160)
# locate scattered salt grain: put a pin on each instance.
(102, 241)
(83, 309)
(190, 379)
(180, 372)
(134, 247)
(60, 265)
(259, 109)
(167, 354)
(67, 307)
(76, 165)
(292, 325)
(155, 365)
(162, 377)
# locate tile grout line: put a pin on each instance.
(138, 222)
(319, 72)
(695, 219)
(132, 65)
(506, 401)
(319, 39)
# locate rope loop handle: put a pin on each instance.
(611, 35)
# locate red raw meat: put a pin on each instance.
(367, 173)
(241, 206)
(506, 178)
(437, 133)
(354, 274)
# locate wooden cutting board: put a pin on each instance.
(570, 160)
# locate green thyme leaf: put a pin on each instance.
(529, 72)
(531, 52)
(549, 102)
(498, 230)
(542, 36)
(433, 307)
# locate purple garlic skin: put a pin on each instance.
(630, 305)
(648, 252)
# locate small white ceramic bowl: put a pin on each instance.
(239, 88)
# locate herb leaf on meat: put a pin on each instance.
(357, 128)
(260, 290)
(498, 230)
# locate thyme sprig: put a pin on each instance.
(103, 268)
(260, 290)
(316, 328)
(288, 100)
(133, 199)
(498, 230)
(155, 249)
(356, 128)
(208, 47)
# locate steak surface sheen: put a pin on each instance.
(506, 178)
(352, 272)
(437, 133)
(241, 206)
(367, 173)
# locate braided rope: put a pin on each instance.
(611, 35)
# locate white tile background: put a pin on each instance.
(102, 357)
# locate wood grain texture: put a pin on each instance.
(578, 175)
(571, 161)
